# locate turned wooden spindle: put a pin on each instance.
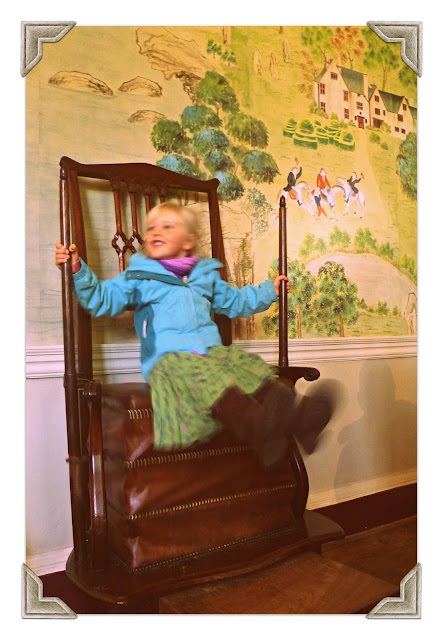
(283, 299)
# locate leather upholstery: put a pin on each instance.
(168, 504)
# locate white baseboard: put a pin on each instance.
(112, 359)
(53, 561)
(360, 489)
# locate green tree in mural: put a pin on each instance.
(380, 54)
(213, 48)
(198, 117)
(335, 304)
(210, 143)
(318, 40)
(245, 128)
(364, 241)
(259, 166)
(259, 208)
(209, 140)
(382, 308)
(239, 153)
(300, 301)
(216, 91)
(230, 187)
(407, 165)
(169, 137)
(339, 239)
(218, 161)
(386, 251)
(407, 76)
(408, 264)
(181, 165)
(307, 246)
(229, 57)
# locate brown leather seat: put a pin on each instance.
(163, 505)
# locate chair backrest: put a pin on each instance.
(154, 184)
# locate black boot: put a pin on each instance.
(314, 412)
(246, 418)
(288, 414)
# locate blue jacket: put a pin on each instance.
(171, 314)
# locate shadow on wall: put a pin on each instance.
(384, 440)
(318, 407)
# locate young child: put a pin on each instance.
(197, 385)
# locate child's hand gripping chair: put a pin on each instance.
(149, 522)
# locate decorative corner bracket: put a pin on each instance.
(409, 34)
(408, 605)
(34, 605)
(34, 34)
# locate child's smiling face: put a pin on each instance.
(167, 237)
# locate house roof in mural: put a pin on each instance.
(391, 101)
(321, 74)
(354, 80)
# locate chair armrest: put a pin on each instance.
(295, 373)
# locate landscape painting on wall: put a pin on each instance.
(326, 116)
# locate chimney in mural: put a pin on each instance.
(366, 85)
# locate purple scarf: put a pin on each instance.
(180, 267)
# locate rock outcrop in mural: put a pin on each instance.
(173, 56)
(146, 116)
(142, 87)
(79, 81)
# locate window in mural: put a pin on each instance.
(268, 111)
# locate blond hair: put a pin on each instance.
(187, 216)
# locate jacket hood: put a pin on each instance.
(139, 262)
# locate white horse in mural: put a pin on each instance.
(352, 198)
(329, 199)
(295, 196)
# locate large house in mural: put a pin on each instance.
(348, 94)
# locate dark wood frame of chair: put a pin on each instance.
(90, 565)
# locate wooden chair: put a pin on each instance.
(148, 522)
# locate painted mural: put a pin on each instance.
(325, 116)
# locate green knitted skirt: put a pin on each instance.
(184, 386)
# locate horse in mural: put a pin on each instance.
(329, 199)
(356, 198)
(295, 196)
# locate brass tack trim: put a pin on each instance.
(183, 457)
(201, 503)
(204, 552)
(140, 414)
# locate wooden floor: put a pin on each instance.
(350, 576)
(388, 552)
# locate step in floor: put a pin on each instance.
(307, 583)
